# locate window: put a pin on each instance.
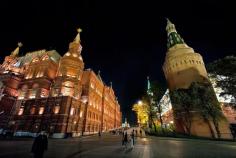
(44, 92)
(67, 54)
(35, 60)
(92, 85)
(72, 111)
(56, 109)
(81, 114)
(41, 110)
(45, 57)
(32, 110)
(21, 110)
(32, 93)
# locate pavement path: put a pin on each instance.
(109, 146)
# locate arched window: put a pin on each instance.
(41, 110)
(32, 110)
(56, 109)
(36, 59)
(45, 57)
(21, 110)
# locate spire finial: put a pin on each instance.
(77, 38)
(16, 51)
(19, 44)
(111, 84)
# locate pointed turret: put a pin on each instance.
(77, 38)
(173, 37)
(149, 91)
(75, 47)
(111, 85)
(99, 76)
(16, 51)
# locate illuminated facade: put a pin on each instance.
(44, 91)
(182, 67)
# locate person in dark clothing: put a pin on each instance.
(136, 132)
(132, 136)
(40, 145)
(125, 140)
(99, 134)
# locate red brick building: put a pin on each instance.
(44, 91)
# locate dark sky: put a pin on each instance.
(125, 40)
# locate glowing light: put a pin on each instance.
(41, 110)
(81, 114)
(21, 110)
(171, 122)
(140, 102)
(56, 109)
(72, 111)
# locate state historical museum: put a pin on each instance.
(44, 91)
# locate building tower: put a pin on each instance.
(68, 81)
(182, 67)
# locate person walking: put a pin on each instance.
(99, 134)
(125, 139)
(132, 136)
(40, 145)
(132, 139)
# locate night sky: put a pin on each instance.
(126, 41)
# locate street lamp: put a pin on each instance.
(140, 102)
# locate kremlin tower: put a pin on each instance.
(182, 67)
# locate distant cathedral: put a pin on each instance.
(44, 91)
(182, 67)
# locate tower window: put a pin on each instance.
(32, 110)
(56, 109)
(21, 110)
(41, 110)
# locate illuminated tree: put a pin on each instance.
(141, 110)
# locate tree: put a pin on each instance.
(224, 71)
(198, 99)
(182, 107)
(141, 110)
(158, 92)
(209, 107)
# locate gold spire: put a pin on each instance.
(77, 38)
(16, 51)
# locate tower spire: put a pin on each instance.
(111, 84)
(173, 37)
(77, 38)
(16, 51)
(99, 75)
(149, 91)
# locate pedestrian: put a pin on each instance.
(132, 139)
(40, 145)
(99, 134)
(125, 139)
(233, 132)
